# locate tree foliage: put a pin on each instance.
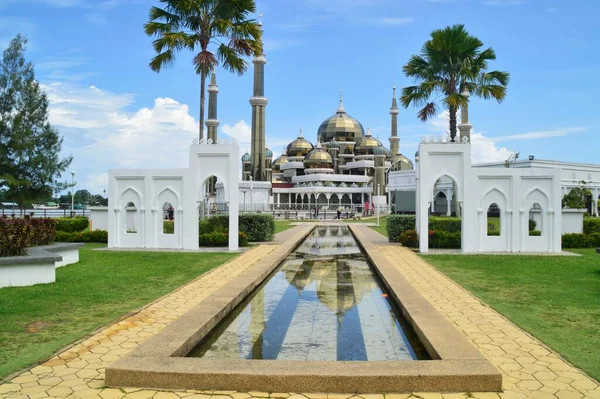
(30, 147)
(578, 198)
(220, 29)
(450, 63)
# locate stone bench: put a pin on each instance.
(38, 266)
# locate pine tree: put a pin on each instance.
(30, 147)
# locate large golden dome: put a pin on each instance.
(318, 158)
(299, 147)
(366, 145)
(400, 162)
(340, 127)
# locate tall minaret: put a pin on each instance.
(259, 103)
(212, 122)
(394, 139)
(465, 127)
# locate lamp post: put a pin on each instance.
(72, 193)
(251, 201)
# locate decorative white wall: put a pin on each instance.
(514, 190)
(148, 190)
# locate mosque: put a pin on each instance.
(348, 167)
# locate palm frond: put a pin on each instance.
(205, 62)
(428, 111)
(231, 60)
(489, 92)
(162, 60)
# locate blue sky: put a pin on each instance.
(113, 111)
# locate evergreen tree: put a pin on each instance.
(30, 147)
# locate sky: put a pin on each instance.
(92, 56)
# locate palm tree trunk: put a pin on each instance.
(453, 111)
(202, 99)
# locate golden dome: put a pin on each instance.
(340, 127)
(318, 158)
(299, 147)
(277, 162)
(400, 162)
(366, 145)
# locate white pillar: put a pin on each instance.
(448, 204)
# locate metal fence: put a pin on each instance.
(45, 213)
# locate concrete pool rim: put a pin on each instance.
(457, 366)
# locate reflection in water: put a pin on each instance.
(323, 303)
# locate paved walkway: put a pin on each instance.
(530, 369)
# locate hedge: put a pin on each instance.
(591, 225)
(168, 227)
(220, 239)
(437, 239)
(100, 236)
(256, 227)
(398, 224)
(43, 231)
(14, 234)
(72, 225)
(578, 240)
(447, 224)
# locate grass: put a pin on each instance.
(283, 225)
(37, 321)
(556, 299)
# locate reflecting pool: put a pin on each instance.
(323, 303)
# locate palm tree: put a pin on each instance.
(450, 63)
(200, 24)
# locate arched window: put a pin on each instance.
(536, 220)
(494, 226)
(131, 218)
(168, 223)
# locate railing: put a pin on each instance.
(45, 213)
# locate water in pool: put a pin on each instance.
(322, 303)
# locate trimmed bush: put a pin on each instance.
(409, 238)
(444, 239)
(168, 227)
(14, 234)
(220, 239)
(591, 225)
(42, 232)
(573, 240)
(535, 233)
(447, 224)
(256, 227)
(72, 225)
(532, 224)
(100, 236)
(398, 224)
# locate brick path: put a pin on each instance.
(530, 369)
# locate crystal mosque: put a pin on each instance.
(347, 167)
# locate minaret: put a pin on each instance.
(259, 103)
(394, 139)
(212, 122)
(464, 127)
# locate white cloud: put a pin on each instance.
(541, 134)
(484, 149)
(278, 44)
(241, 132)
(96, 183)
(391, 21)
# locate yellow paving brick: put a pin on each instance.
(568, 395)
(59, 391)
(9, 388)
(165, 395)
(143, 394)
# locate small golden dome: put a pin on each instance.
(277, 162)
(400, 162)
(340, 127)
(299, 147)
(366, 145)
(318, 158)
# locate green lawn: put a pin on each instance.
(556, 299)
(36, 321)
(283, 225)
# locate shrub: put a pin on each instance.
(100, 236)
(592, 240)
(409, 238)
(591, 225)
(14, 234)
(168, 227)
(535, 233)
(257, 227)
(447, 224)
(398, 224)
(71, 225)
(42, 232)
(532, 224)
(573, 240)
(444, 239)
(220, 239)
